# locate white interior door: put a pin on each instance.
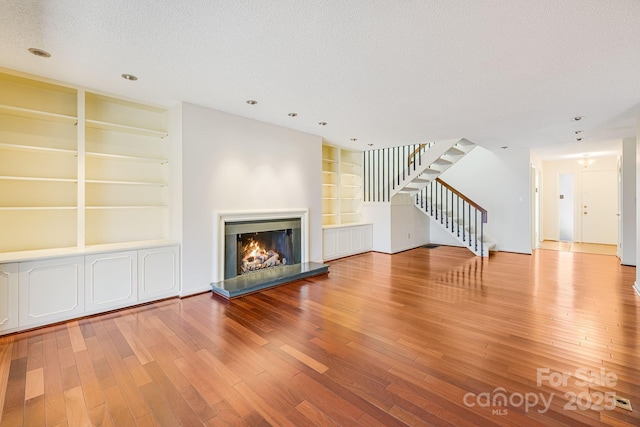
(565, 207)
(600, 207)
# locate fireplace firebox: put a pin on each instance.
(252, 246)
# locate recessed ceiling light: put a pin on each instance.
(354, 139)
(370, 145)
(578, 132)
(578, 118)
(578, 139)
(322, 123)
(252, 102)
(39, 52)
(129, 77)
(292, 114)
(504, 147)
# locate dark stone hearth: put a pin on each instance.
(264, 279)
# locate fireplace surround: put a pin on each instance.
(256, 250)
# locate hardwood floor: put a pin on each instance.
(588, 248)
(424, 337)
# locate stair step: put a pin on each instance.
(453, 151)
(430, 171)
(442, 162)
(464, 142)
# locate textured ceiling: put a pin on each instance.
(511, 72)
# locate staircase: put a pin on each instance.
(414, 170)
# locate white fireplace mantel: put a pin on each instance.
(220, 219)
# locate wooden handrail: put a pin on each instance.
(482, 210)
(416, 151)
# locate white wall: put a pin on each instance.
(397, 226)
(629, 201)
(232, 163)
(637, 284)
(499, 182)
(550, 194)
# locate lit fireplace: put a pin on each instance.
(252, 246)
(262, 250)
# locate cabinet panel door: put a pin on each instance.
(157, 273)
(357, 238)
(329, 244)
(8, 296)
(344, 242)
(51, 290)
(111, 280)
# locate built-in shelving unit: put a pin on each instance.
(126, 171)
(38, 164)
(84, 203)
(330, 163)
(341, 186)
(64, 185)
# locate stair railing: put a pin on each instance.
(454, 211)
(384, 169)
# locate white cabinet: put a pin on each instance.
(50, 290)
(111, 280)
(8, 297)
(343, 241)
(158, 273)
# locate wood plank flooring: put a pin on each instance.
(425, 337)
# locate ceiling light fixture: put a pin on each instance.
(39, 52)
(578, 118)
(252, 102)
(585, 161)
(578, 139)
(292, 114)
(578, 132)
(354, 139)
(370, 145)
(504, 147)
(322, 123)
(129, 77)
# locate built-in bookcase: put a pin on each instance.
(126, 161)
(79, 168)
(341, 186)
(38, 164)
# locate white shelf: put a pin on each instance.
(37, 114)
(132, 158)
(332, 214)
(31, 178)
(330, 160)
(36, 208)
(18, 147)
(97, 124)
(100, 181)
(329, 198)
(353, 165)
(351, 186)
(329, 185)
(127, 207)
